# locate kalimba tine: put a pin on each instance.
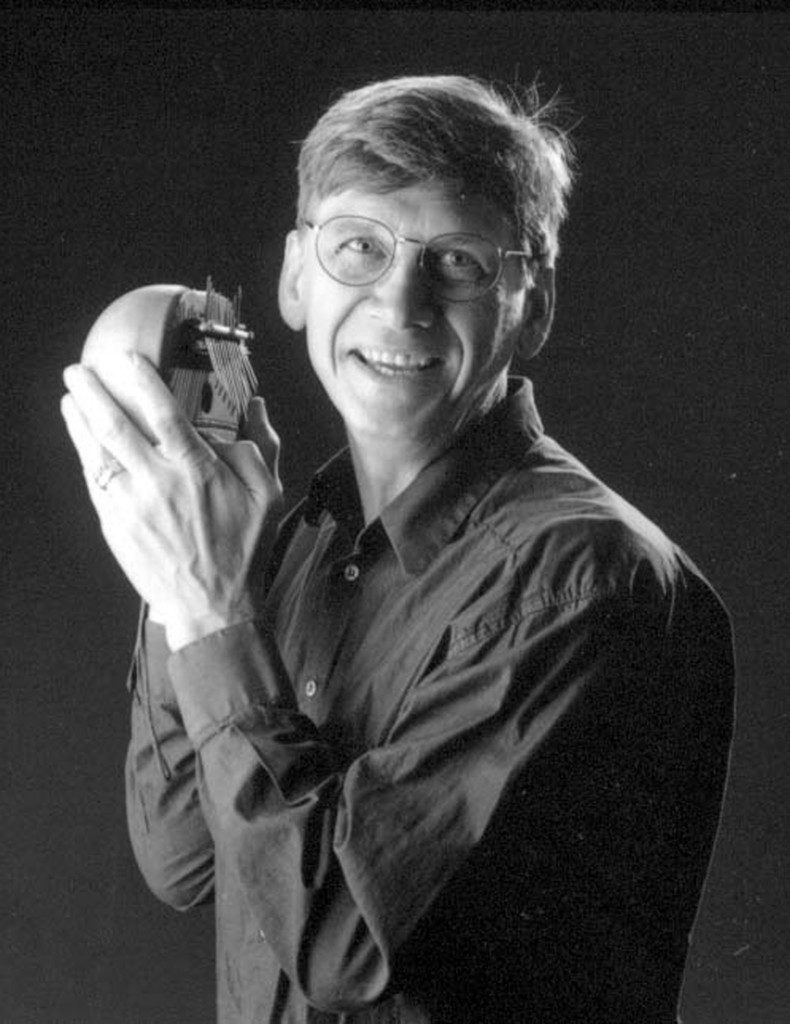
(197, 342)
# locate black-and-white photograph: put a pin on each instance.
(395, 524)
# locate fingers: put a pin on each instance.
(95, 422)
(88, 449)
(247, 463)
(140, 401)
(177, 438)
(99, 468)
(255, 458)
(258, 428)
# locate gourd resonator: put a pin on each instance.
(197, 342)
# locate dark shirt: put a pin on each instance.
(466, 768)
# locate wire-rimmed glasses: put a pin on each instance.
(358, 251)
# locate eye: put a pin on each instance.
(361, 244)
(365, 246)
(459, 264)
(458, 259)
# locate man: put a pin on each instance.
(458, 754)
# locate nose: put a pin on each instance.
(403, 298)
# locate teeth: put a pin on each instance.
(395, 360)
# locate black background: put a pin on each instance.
(142, 147)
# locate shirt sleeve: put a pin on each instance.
(558, 728)
(170, 840)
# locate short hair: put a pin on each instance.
(449, 129)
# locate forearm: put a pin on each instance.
(171, 842)
(271, 792)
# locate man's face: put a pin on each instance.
(400, 364)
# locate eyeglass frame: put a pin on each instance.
(502, 254)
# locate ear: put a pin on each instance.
(290, 293)
(539, 313)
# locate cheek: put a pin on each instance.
(510, 322)
(489, 326)
(474, 320)
(330, 325)
(320, 307)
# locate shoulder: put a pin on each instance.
(560, 558)
(570, 537)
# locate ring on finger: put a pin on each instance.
(108, 469)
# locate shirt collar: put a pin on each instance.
(333, 489)
(426, 515)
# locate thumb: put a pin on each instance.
(258, 429)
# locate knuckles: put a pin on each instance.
(114, 431)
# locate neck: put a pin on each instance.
(384, 469)
(384, 466)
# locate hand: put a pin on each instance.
(183, 519)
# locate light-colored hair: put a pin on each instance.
(451, 130)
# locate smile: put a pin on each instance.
(395, 363)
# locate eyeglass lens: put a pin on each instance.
(358, 251)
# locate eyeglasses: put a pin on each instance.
(358, 251)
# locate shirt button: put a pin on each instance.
(351, 572)
(310, 687)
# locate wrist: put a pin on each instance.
(184, 630)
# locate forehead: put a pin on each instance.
(421, 211)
